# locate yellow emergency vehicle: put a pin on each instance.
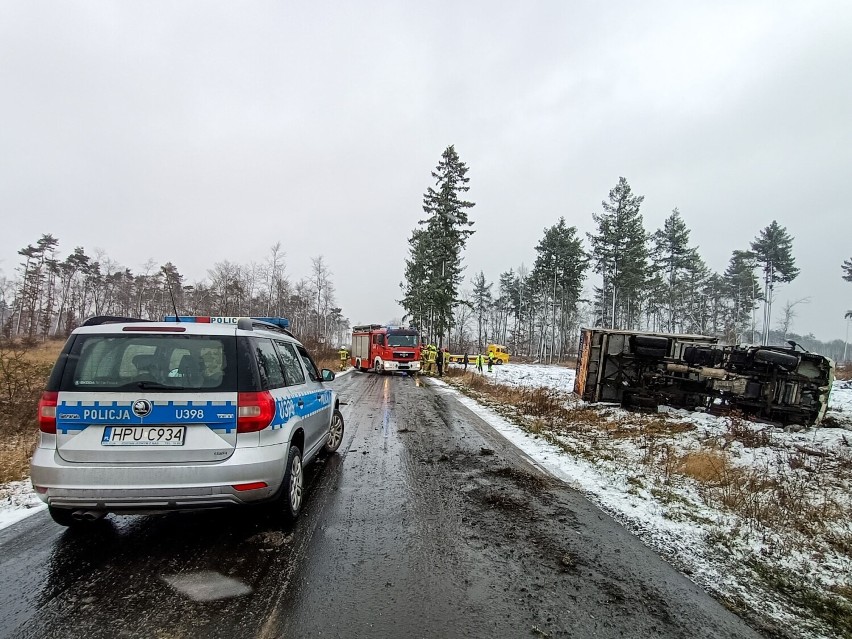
(499, 353)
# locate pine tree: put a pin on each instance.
(506, 303)
(558, 274)
(619, 254)
(694, 305)
(172, 289)
(35, 296)
(715, 296)
(436, 248)
(481, 304)
(743, 290)
(773, 252)
(416, 297)
(671, 256)
(847, 269)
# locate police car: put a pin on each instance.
(209, 412)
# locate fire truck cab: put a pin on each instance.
(385, 348)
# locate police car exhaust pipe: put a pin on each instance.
(86, 515)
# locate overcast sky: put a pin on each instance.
(203, 131)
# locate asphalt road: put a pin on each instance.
(425, 524)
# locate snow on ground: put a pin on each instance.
(840, 402)
(534, 375)
(672, 515)
(17, 501)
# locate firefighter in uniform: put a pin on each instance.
(343, 354)
(431, 356)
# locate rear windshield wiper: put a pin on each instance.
(158, 386)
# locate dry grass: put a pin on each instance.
(23, 373)
(331, 363)
(45, 352)
(800, 493)
(705, 466)
(15, 454)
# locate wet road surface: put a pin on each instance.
(425, 524)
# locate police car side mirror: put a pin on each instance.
(327, 375)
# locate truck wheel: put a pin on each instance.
(378, 368)
(649, 351)
(651, 341)
(784, 360)
(335, 433)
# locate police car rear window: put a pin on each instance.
(151, 362)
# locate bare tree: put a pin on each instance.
(788, 314)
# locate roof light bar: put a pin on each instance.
(281, 322)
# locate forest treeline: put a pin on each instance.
(50, 294)
(646, 280)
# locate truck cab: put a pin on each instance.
(499, 353)
(385, 348)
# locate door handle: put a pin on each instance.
(301, 404)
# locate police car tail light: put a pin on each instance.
(47, 412)
(254, 411)
(255, 485)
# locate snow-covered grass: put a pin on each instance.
(17, 500)
(840, 403)
(758, 516)
(534, 375)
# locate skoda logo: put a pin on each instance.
(142, 408)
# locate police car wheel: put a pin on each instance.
(293, 485)
(335, 433)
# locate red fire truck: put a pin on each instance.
(385, 348)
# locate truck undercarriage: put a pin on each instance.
(646, 370)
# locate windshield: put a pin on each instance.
(147, 362)
(402, 339)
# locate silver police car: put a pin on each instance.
(142, 417)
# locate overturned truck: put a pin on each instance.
(646, 370)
